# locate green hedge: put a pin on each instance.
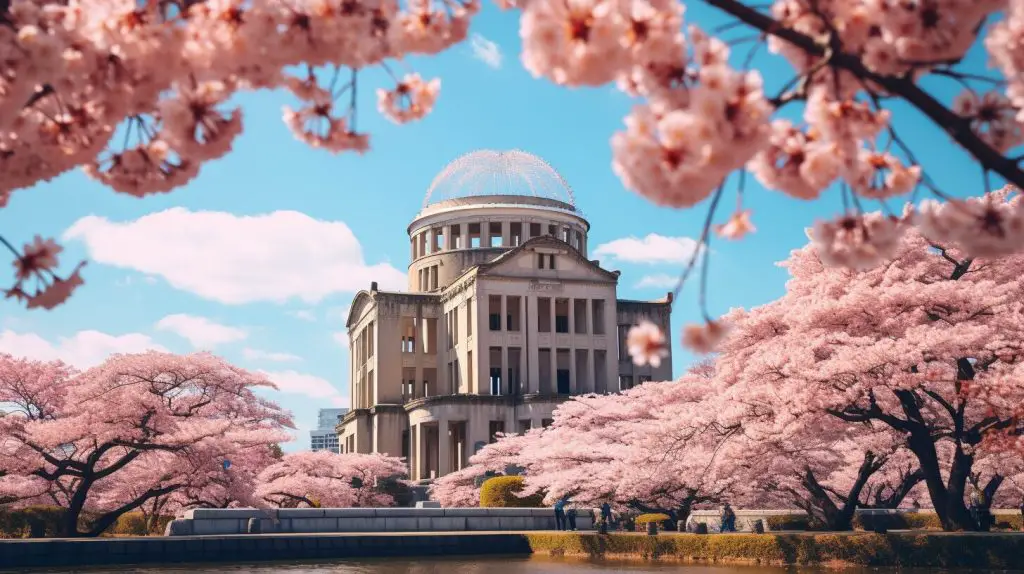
(866, 549)
(17, 523)
(923, 521)
(789, 522)
(500, 492)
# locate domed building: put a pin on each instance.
(505, 318)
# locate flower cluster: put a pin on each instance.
(160, 76)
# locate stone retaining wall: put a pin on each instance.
(244, 549)
(745, 518)
(203, 521)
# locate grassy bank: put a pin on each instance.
(934, 550)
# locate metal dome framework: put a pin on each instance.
(493, 172)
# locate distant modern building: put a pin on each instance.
(324, 437)
(505, 318)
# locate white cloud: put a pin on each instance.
(83, 349)
(486, 51)
(309, 385)
(200, 331)
(303, 314)
(237, 259)
(659, 280)
(652, 249)
(258, 355)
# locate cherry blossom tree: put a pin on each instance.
(462, 488)
(928, 345)
(654, 448)
(816, 463)
(221, 480)
(136, 428)
(328, 479)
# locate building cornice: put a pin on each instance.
(484, 400)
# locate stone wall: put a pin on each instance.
(204, 521)
(745, 518)
(64, 554)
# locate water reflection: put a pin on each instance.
(509, 565)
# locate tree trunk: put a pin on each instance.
(838, 518)
(948, 498)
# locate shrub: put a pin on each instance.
(789, 522)
(500, 492)
(134, 524)
(17, 523)
(651, 517)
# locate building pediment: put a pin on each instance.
(570, 264)
(360, 303)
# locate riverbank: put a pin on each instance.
(895, 549)
(899, 549)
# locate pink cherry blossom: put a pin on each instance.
(991, 226)
(647, 344)
(857, 241)
(411, 99)
(738, 225)
(329, 479)
(704, 338)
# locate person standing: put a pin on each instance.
(570, 516)
(560, 514)
(606, 513)
(728, 519)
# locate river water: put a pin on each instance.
(510, 565)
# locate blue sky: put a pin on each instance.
(270, 292)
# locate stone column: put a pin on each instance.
(416, 451)
(506, 234)
(485, 233)
(532, 378)
(444, 446)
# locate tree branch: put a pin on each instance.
(956, 126)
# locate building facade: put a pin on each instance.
(505, 317)
(324, 436)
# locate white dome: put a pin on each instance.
(490, 172)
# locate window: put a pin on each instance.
(562, 358)
(625, 382)
(474, 235)
(579, 318)
(469, 371)
(545, 423)
(524, 426)
(456, 240)
(553, 230)
(643, 379)
(495, 428)
(516, 231)
(540, 261)
(495, 370)
(597, 315)
(551, 262)
(514, 358)
(469, 317)
(623, 331)
(561, 315)
(543, 315)
(494, 312)
(512, 313)
(438, 239)
(495, 231)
